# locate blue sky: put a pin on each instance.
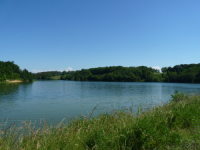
(42, 35)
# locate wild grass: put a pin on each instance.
(175, 125)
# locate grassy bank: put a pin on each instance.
(56, 77)
(53, 78)
(175, 125)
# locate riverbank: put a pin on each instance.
(175, 125)
(13, 81)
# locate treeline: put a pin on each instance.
(47, 74)
(114, 73)
(184, 73)
(11, 71)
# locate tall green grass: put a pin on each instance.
(175, 125)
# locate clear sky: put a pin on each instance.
(58, 34)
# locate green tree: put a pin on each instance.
(3, 78)
(164, 69)
(173, 76)
(16, 76)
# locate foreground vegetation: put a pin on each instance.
(175, 125)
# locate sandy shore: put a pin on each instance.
(13, 81)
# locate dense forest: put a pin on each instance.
(113, 73)
(11, 71)
(184, 73)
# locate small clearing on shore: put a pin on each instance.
(13, 81)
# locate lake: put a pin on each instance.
(59, 99)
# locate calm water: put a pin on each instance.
(63, 99)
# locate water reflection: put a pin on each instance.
(8, 88)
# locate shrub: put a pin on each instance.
(178, 96)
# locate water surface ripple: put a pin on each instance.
(62, 99)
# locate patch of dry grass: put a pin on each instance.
(55, 78)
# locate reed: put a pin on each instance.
(174, 125)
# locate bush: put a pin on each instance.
(178, 96)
